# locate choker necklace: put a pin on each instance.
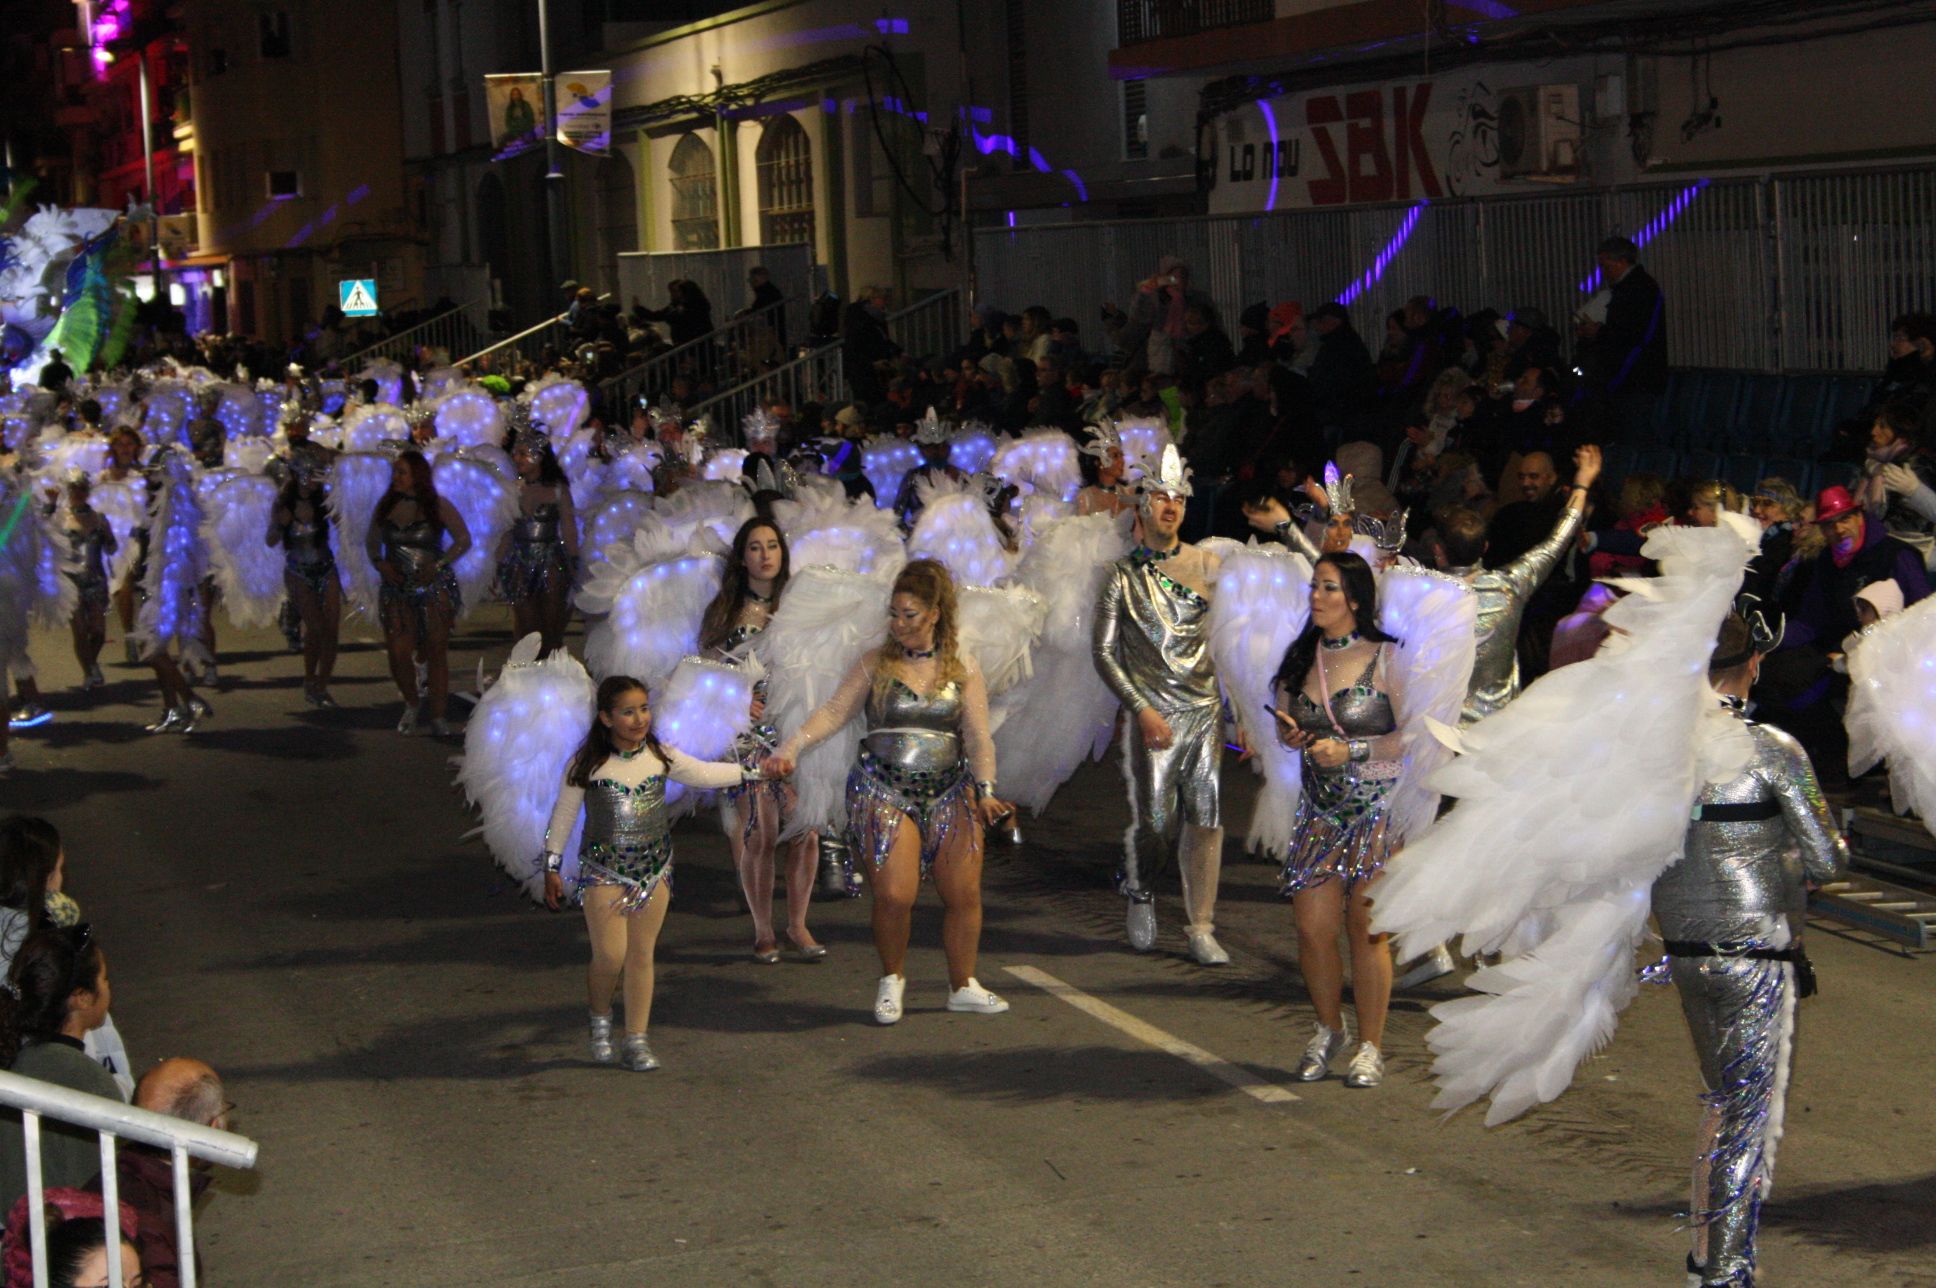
(1342, 642)
(1145, 554)
(623, 754)
(916, 655)
(765, 601)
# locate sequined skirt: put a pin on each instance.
(532, 568)
(941, 804)
(749, 749)
(1341, 831)
(637, 869)
(409, 608)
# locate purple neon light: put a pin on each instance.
(1485, 8)
(1270, 124)
(1654, 227)
(1385, 257)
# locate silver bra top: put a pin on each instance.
(626, 817)
(915, 732)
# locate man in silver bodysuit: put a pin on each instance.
(1731, 910)
(1503, 592)
(1152, 648)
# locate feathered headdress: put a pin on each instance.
(526, 433)
(1387, 534)
(1104, 440)
(1171, 476)
(763, 477)
(759, 427)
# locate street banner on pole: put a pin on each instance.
(515, 102)
(585, 111)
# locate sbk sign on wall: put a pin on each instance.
(1400, 141)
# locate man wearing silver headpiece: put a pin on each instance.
(1152, 648)
(936, 442)
(763, 469)
(1731, 910)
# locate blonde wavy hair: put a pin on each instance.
(930, 584)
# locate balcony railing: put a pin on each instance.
(1140, 20)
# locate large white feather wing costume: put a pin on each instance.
(1043, 462)
(173, 613)
(247, 569)
(1571, 802)
(124, 504)
(705, 705)
(999, 629)
(648, 598)
(1261, 606)
(1435, 619)
(488, 504)
(836, 532)
(1069, 713)
(956, 528)
(516, 746)
(826, 621)
(357, 481)
(1892, 706)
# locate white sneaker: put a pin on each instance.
(1206, 950)
(1433, 965)
(1142, 925)
(887, 999)
(973, 997)
(408, 724)
(1367, 1067)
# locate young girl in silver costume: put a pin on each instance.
(537, 559)
(618, 779)
(923, 788)
(749, 594)
(419, 600)
(1337, 706)
(299, 523)
(92, 541)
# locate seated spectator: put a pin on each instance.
(76, 1243)
(58, 991)
(1065, 344)
(1287, 333)
(1875, 601)
(1894, 440)
(1779, 509)
(1033, 343)
(1204, 351)
(1705, 501)
(1531, 341)
(1253, 338)
(184, 1089)
(1342, 374)
(1614, 551)
(1515, 529)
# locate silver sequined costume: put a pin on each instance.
(1503, 593)
(415, 550)
(1152, 648)
(627, 840)
(1343, 814)
(1731, 910)
(307, 557)
(753, 746)
(910, 763)
(537, 558)
(90, 577)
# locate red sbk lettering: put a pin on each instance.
(1376, 165)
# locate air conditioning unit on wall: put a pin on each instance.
(1539, 133)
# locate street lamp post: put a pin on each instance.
(557, 243)
(148, 167)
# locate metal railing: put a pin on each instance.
(528, 343)
(111, 1120)
(815, 376)
(727, 355)
(1141, 20)
(1794, 272)
(932, 327)
(453, 331)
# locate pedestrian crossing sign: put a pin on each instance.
(358, 297)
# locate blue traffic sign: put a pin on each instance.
(357, 296)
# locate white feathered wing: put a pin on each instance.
(1892, 706)
(248, 570)
(1435, 619)
(1261, 605)
(648, 597)
(1571, 802)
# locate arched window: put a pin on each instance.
(695, 196)
(786, 183)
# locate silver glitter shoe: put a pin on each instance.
(1205, 949)
(174, 720)
(1433, 965)
(887, 999)
(636, 1054)
(1367, 1067)
(601, 1028)
(1142, 925)
(1325, 1046)
(199, 709)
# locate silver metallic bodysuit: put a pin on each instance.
(537, 558)
(1731, 911)
(1152, 648)
(415, 550)
(91, 576)
(1503, 593)
(1343, 813)
(306, 553)
(910, 763)
(627, 839)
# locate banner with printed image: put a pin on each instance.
(515, 102)
(585, 111)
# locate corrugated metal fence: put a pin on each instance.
(1800, 272)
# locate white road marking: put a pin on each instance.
(1143, 1031)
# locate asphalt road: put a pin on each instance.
(290, 895)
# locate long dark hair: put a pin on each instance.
(597, 747)
(292, 492)
(733, 589)
(29, 849)
(426, 501)
(52, 963)
(550, 473)
(1360, 588)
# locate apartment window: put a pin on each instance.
(272, 25)
(785, 163)
(695, 195)
(1135, 120)
(284, 185)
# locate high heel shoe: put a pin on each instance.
(808, 952)
(767, 953)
